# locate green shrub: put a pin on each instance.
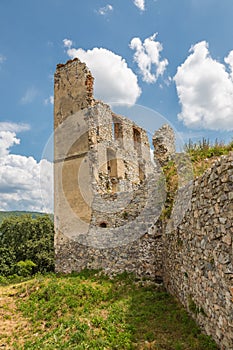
(24, 238)
(25, 268)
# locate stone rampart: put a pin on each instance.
(198, 260)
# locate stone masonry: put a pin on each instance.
(164, 144)
(198, 254)
(109, 195)
(108, 191)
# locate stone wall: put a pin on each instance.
(129, 240)
(198, 260)
(164, 144)
(108, 192)
(142, 257)
(109, 197)
(70, 97)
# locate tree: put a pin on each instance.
(25, 238)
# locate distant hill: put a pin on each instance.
(34, 214)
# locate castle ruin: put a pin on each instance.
(108, 198)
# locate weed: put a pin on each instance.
(192, 306)
(203, 153)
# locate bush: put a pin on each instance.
(25, 268)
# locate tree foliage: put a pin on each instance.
(26, 239)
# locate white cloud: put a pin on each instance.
(147, 55)
(67, 43)
(29, 95)
(7, 140)
(14, 127)
(105, 10)
(25, 184)
(205, 90)
(114, 81)
(8, 136)
(49, 100)
(140, 4)
(229, 61)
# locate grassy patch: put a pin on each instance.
(203, 153)
(89, 311)
(198, 157)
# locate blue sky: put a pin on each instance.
(185, 69)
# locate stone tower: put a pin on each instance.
(104, 180)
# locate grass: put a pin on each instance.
(91, 311)
(204, 153)
(200, 156)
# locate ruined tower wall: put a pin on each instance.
(70, 97)
(71, 144)
(104, 181)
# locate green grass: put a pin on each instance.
(201, 156)
(91, 311)
(203, 153)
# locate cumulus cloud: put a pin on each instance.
(140, 4)
(147, 57)
(114, 82)
(105, 10)
(29, 95)
(205, 90)
(229, 60)
(25, 184)
(8, 136)
(7, 140)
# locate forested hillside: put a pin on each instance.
(4, 214)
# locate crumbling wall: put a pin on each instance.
(164, 144)
(109, 197)
(107, 194)
(198, 261)
(70, 97)
(117, 159)
(131, 239)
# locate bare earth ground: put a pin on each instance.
(13, 326)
